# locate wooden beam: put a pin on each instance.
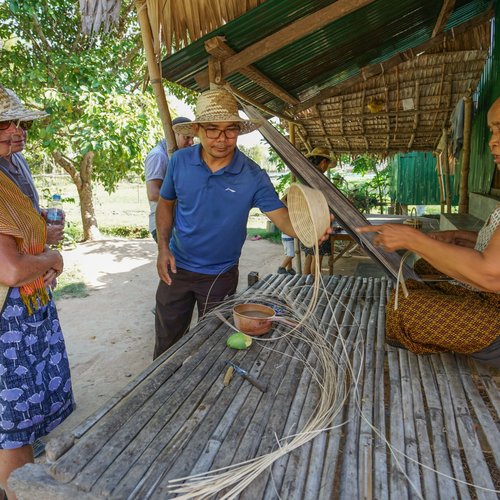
(293, 32)
(444, 15)
(217, 48)
(377, 69)
(463, 205)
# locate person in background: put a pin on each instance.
(322, 160)
(288, 247)
(462, 315)
(36, 393)
(212, 187)
(155, 167)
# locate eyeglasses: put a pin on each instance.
(215, 133)
(17, 123)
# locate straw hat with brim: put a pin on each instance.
(11, 108)
(216, 106)
(319, 151)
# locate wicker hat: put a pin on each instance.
(11, 108)
(319, 151)
(216, 106)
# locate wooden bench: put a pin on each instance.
(439, 413)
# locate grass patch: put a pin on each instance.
(126, 231)
(70, 285)
(275, 236)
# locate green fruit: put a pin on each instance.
(239, 340)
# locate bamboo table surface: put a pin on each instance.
(177, 418)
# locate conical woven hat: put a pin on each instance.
(319, 151)
(11, 108)
(215, 106)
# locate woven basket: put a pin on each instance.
(309, 213)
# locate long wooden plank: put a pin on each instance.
(430, 489)
(345, 213)
(410, 434)
(397, 473)
(380, 485)
(446, 486)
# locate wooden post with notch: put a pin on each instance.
(155, 74)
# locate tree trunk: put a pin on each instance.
(83, 181)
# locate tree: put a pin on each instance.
(101, 124)
(364, 164)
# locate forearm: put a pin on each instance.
(459, 262)
(18, 269)
(164, 222)
(282, 221)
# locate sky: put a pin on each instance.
(183, 109)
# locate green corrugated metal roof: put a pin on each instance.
(326, 57)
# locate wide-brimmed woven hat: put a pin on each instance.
(217, 106)
(319, 151)
(11, 107)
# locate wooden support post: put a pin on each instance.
(155, 74)
(447, 179)
(439, 169)
(296, 242)
(463, 206)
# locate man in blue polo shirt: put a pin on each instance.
(211, 186)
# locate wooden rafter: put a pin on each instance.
(377, 69)
(217, 47)
(322, 126)
(444, 15)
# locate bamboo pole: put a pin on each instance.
(296, 242)
(155, 75)
(447, 178)
(439, 167)
(463, 206)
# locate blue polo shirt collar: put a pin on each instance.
(234, 167)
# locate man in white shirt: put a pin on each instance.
(155, 168)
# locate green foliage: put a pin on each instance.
(126, 231)
(86, 84)
(72, 235)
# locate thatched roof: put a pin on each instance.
(177, 23)
(98, 14)
(355, 75)
(402, 109)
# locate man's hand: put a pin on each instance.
(165, 262)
